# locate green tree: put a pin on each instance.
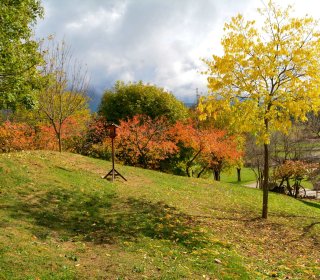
(267, 76)
(124, 101)
(19, 55)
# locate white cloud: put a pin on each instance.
(157, 41)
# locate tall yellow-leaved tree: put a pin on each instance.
(268, 75)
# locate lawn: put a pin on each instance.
(230, 176)
(248, 178)
(60, 220)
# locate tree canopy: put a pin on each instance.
(124, 101)
(19, 55)
(145, 142)
(267, 76)
(209, 148)
(65, 92)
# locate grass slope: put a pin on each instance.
(230, 176)
(60, 220)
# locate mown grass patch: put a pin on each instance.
(230, 176)
(60, 220)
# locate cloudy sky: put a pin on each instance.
(156, 41)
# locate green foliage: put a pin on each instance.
(124, 101)
(19, 56)
(95, 142)
(176, 163)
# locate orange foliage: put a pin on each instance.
(211, 147)
(21, 136)
(145, 142)
(293, 169)
(15, 137)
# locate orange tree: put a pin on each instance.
(145, 142)
(209, 148)
(17, 136)
(295, 170)
(267, 76)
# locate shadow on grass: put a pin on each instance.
(308, 228)
(107, 218)
(312, 204)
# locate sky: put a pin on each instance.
(161, 42)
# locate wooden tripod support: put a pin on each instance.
(113, 172)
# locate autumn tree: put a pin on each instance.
(222, 155)
(17, 136)
(223, 120)
(295, 171)
(65, 94)
(19, 55)
(210, 148)
(124, 101)
(267, 76)
(95, 141)
(191, 139)
(145, 142)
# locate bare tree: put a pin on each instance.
(66, 91)
(294, 145)
(254, 159)
(313, 124)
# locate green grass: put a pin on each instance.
(248, 177)
(230, 176)
(60, 220)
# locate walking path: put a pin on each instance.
(309, 193)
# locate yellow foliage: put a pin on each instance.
(267, 76)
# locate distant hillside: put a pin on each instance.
(60, 220)
(189, 104)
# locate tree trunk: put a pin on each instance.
(57, 130)
(261, 178)
(188, 170)
(59, 142)
(289, 187)
(216, 175)
(143, 160)
(239, 174)
(202, 170)
(189, 163)
(256, 175)
(265, 182)
(296, 190)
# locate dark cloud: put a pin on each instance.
(157, 41)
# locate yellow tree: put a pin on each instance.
(267, 76)
(65, 94)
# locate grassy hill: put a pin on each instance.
(60, 220)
